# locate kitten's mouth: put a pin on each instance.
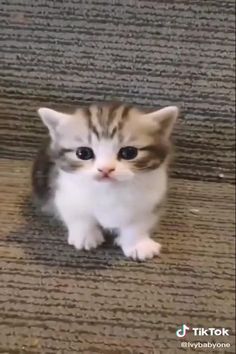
(104, 178)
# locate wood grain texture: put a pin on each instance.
(152, 53)
(54, 299)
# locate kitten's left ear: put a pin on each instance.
(165, 118)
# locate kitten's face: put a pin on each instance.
(110, 142)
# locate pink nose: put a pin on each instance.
(106, 170)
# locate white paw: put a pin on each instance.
(142, 250)
(86, 241)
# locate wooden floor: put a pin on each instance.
(56, 300)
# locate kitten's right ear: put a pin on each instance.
(52, 119)
(165, 118)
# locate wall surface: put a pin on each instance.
(152, 53)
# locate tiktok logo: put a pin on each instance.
(182, 331)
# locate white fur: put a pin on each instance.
(83, 203)
(125, 201)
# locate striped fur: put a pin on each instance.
(122, 123)
(107, 190)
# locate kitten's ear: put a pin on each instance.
(165, 118)
(52, 119)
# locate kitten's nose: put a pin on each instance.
(106, 170)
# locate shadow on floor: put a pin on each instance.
(43, 239)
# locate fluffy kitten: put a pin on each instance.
(106, 167)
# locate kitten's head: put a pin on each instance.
(110, 142)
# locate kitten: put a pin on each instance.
(106, 167)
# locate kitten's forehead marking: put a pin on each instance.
(91, 127)
(113, 111)
(106, 121)
(120, 123)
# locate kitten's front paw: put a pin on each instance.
(86, 241)
(142, 250)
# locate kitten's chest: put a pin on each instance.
(109, 198)
(92, 195)
(116, 206)
(110, 204)
(107, 203)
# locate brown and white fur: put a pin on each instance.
(106, 191)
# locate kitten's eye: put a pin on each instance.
(85, 153)
(128, 153)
